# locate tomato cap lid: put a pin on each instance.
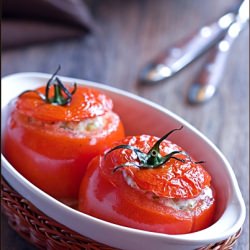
(63, 102)
(179, 176)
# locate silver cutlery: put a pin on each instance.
(211, 75)
(176, 58)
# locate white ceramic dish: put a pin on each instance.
(155, 120)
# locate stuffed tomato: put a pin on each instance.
(148, 183)
(55, 130)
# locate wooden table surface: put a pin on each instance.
(132, 33)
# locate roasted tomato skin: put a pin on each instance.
(52, 160)
(111, 198)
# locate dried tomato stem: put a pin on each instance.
(61, 95)
(153, 159)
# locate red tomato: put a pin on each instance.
(52, 144)
(174, 197)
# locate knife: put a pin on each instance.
(183, 53)
(208, 80)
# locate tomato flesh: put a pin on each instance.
(108, 196)
(56, 160)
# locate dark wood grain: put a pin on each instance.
(131, 33)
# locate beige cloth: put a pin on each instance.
(34, 21)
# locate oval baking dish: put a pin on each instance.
(230, 212)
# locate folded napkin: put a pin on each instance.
(33, 21)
